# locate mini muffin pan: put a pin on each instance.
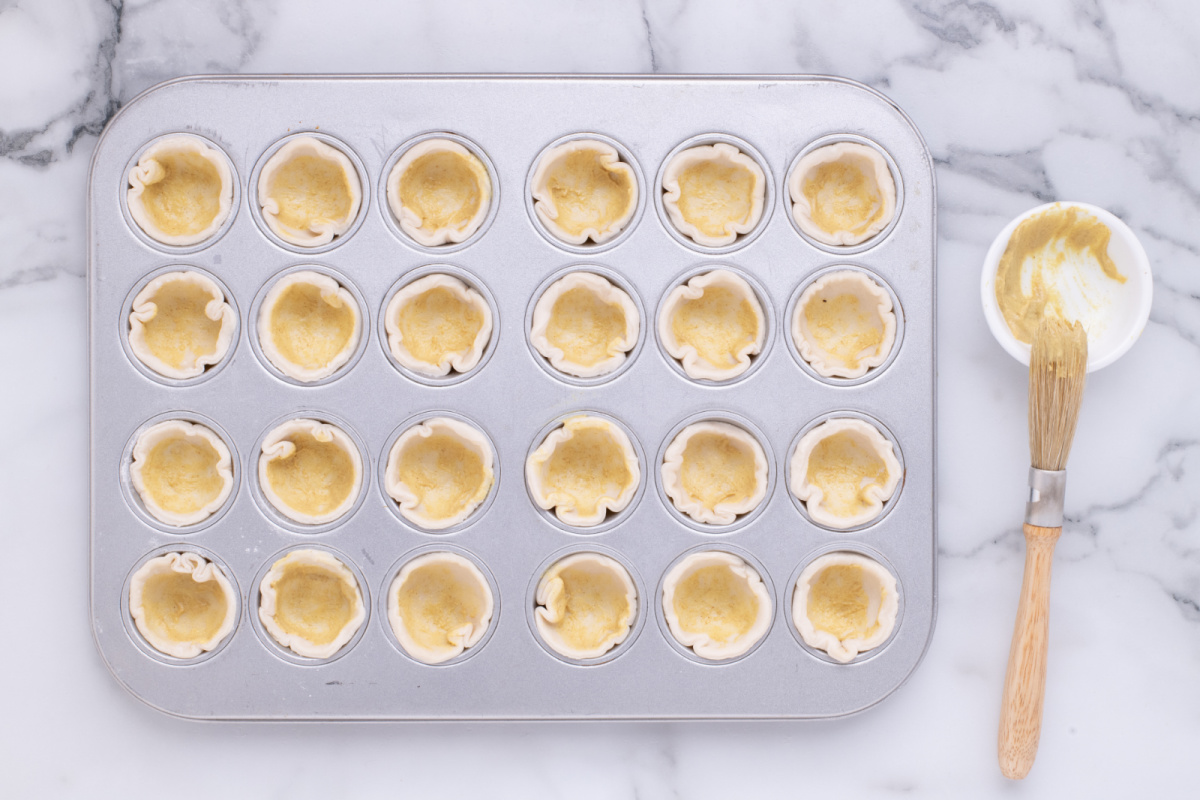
(514, 396)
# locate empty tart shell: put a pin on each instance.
(180, 324)
(182, 604)
(844, 470)
(439, 192)
(583, 190)
(713, 324)
(310, 603)
(584, 469)
(310, 471)
(843, 324)
(845, 604)
(437, 324)
(713, 193)
(586, 605)
(439, 605)
(182, 471)
(439, 471)
(309, 192)
(842, 194)
(716, 604)
(585, 325)
(713, 471)
(180, 191)
(309, 325)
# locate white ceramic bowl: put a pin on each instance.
(1126, 317)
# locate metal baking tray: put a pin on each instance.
(510, 675)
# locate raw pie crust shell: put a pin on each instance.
(145, 318)
(602, 292)
(727, 161)
(451, 164)
(331, 299)
(328, 567)
(414, 506)
(579, 610)
(455, 606)
(191, 435)
(279, 445)
(735, 361)
(150, 171)
(864, 321)
(309, 227)
(614, 496)
(871, 490)
(727, 509)
(871, 166)
(880, 609)
(604, 161)
(734, 572)
(460, 360)
(201, 571)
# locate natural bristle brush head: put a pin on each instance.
(1057, 369)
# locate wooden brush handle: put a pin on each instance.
(1025, 681)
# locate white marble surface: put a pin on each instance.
(1021, 102)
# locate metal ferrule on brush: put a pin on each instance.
(1047, 488)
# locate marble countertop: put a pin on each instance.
(1021, 102)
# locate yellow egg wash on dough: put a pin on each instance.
(719, 324)
(180, 331)
(1038, 250)
(587, 194)
(838, 602)
(715, 601)
(444, 473)
(444, 189)
(309, 326)
(843, 196)
(312, 602)
(311, 189)
(436, 601)
(181, 609)
(315, 479)
(185, 196)
(584, 327)
(438, 323)
(181, 474)
(591, 604)
(717, 469)
(843, 466)
(713, 196)
(587, 468)
(843, 328)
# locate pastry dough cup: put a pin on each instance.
(201, 570)
(145, 309)
(332, 293)
(469, 578)
(552, 604)
(883, 606)
(411, 506)
(609, 159)
(864, 434)
(169, 430)
(565, 505)
(701, 643)
(873, 300)
(318, 231)
(694, 365)
(278, 445)
(874, 167)
(410, 220)
(461, 361)
(605, 292)
(723, 512)
(721, 155)
(149, 171)
(268, 602)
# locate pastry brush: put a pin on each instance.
(1057, 368)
